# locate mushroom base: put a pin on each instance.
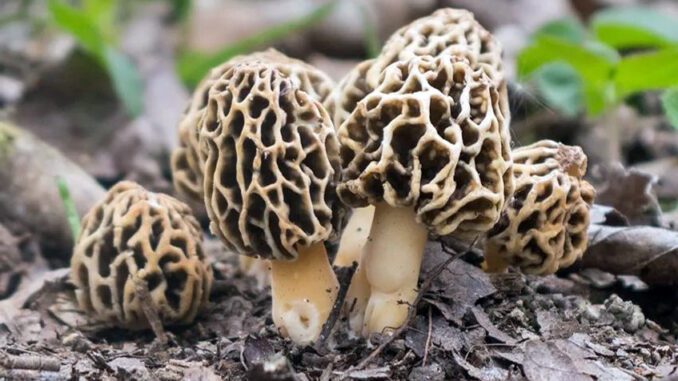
(392, 260)
(303, 293)
(350, 250)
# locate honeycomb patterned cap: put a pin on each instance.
(186, 162)
(348, 92)
(447, 31)
(432, 136)
(272, 163)
(545, 225)
(135, 235)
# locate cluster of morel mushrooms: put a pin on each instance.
(411, 144)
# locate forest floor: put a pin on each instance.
(469, 325)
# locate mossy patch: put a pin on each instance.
(8, 133)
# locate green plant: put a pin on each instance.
(93, 25)
(624, 51)
(69, 207)
(192, 66)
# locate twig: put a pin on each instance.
(428, 338)
(38, 363)
(345, 276)
(432, 275)
(149, 308)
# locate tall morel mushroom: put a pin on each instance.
(187, 164)
(446, 32)
(429, 147)
(545, 225)
(271, 167)
(138, 236)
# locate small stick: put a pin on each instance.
(345, 276)
(149, 308)
(433, 274)
(428, 337)
(38, 363)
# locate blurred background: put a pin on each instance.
(106, 81)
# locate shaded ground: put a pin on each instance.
(468, 326)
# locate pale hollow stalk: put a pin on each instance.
(303, 293)
(392, 260)
(350, 250)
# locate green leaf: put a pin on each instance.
(125, 79)
(78, 24)
(670, 106)
(193, 66)
(180, 9)
(561, 87)
(568, 29)
(102, 13)
(594, 64)
(69, 207)
(371, 36)
(630, 27)
(647, 71)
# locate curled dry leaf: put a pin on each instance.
(647, 252)
(630, 192)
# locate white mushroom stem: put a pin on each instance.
(354, 236)
(303, 293)
(392, 260)
(350, 250)
(259, 269)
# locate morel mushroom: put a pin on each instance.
(271, 166)
(137, 236)
(544, 227)
(429, 147)
(187, 167)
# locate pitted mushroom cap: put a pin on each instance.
(135, 235)
(187, 167)
(545, 225)
(447, 31)
(348, 92)
(433, 136)
(272, 162)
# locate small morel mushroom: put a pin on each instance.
(340, 103)
(138, 236)
(544, 228)
(271, 167)
(429, 148)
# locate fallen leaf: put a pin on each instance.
(647, 252)
(545, 362)
(492, 331)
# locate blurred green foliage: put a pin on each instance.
(624, 51)
(370, 36)
(193, 66)
(93, 25)
(69, 207)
